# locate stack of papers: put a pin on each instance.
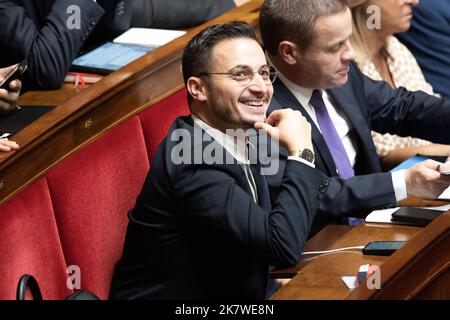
(381, 216)
(147, 37)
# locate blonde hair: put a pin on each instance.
(359, 39)
(361, 32)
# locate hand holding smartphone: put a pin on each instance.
(13, 75)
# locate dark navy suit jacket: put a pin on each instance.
(368, 105)
(170, 14)
(196, 233)
(38, 31)
(429, 41)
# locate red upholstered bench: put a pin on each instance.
(157, 120)
(77, 214)
(29, 243)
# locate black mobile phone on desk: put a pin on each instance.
(18, 71)
(415, 216)
(382, 248)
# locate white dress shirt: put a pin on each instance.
(238, 151)
(343, 127)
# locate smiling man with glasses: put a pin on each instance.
(208, 230)
(245, 74)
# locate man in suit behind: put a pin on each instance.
(205, 229)
(177, 14)
(429, 41)
(47, 34)
(308, 42)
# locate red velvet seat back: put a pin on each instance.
(77, 215)
(157, 119)
(29, 244)
(92, 192)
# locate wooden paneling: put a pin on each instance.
(321, 241)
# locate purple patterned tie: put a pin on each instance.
(331, 137)
(334, 143)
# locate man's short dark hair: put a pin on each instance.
(197, 55)
(294, 20)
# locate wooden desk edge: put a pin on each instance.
(323, 240)
(432, 237)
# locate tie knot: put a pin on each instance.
(316, 100)
(317, 93)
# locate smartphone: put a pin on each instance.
(382, 248)
(15, 74)
(415, 216)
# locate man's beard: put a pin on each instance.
(226, 115)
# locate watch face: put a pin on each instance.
(308, 155)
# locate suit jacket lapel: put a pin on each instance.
(262, 187)
(351, 109)
(283, 98)
(234, 169)
(367, 159)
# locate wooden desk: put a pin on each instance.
(324, 240)
(319, 277)
(327, 238)
(84, 113)
(52, 97)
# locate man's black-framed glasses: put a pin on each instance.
(244, 74)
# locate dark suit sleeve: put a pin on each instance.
(118, 14)
(174, 14)
(405, 113)
(277, 237)
(358, 196)
(51, 49)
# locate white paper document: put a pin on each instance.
(350, 281)
(445, 195)
(148, 37)
(381, 216)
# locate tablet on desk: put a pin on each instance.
(108, 58)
